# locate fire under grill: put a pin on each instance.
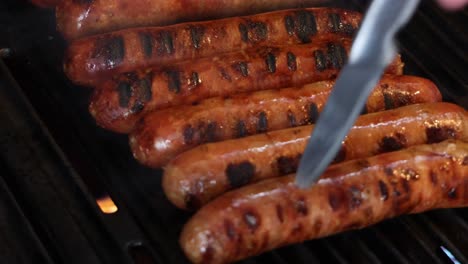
(58, 169)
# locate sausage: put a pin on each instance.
(350, 195)
(216, 119)
(45, 3)
(80, 18)
(89, 60)
(122, 101)
(203, 173)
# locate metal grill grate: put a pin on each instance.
(50, 147)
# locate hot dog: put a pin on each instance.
(218, 119)
(92, 59)
(120, 102)
(203, 173)
(89, 17)
(350, 195)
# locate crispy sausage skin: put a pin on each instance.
(203, 173)
(89, 17)
(350, 195)
(122, 101)
(91, 59)
(216, 119)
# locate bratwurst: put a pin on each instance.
(123, 100)
(162, 135)
(79, 18)
(197, 176)
(350, 195)
(98, 57)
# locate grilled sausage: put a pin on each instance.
(350, 195)
(89, 17)
(97, 57)
(120, 102)
(203, 173)
(217, 119)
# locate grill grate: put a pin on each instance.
(46, 208)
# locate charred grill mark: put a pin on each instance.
(188, 134)
(297, 229)
(390, 143)
(252, 220)
(383, 191)
(241, 130)
(125, 92)
(110, 50)
(292, 63)
(306, 25)
(192, 202)
(356, 200)
(291, 118)
(279, 213)
(253, 31)
(271, 62)
(289, 24)
(143, 93)
(225, 74)
(262, 125)
(452, 193)
(433, 176)
(208, 132)
(388, 101)
(334, 22)
(313, 113)
(147, 44)
(364, 110)
(337, 26)
(336, 55)
(320, 60)
(244, 32)
(239, 174)
(173, 81)
(336, 199)
(137, 107)
(242, 67)
(341, 155)
(165, 43)
(195, 79)
(301, 206)
(437, 134)
(388, 171)
(287, 165)
(196, 35)
(229, 228)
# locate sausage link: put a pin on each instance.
(92, 59)
(79, 18)
(121, 102)
(216, 119)
(203, 173)
(350, 195)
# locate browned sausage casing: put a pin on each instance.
(203, 173)
(163, 134)
(97, 57)
(350, 195)
(124, 100)
(88, 17)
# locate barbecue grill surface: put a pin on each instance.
(54, 163)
